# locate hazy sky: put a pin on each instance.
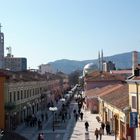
(48, 30)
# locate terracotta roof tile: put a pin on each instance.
(117, 94)
(95, 76)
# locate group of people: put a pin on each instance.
(33, 120)
(100, 132)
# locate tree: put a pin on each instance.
(74, 77)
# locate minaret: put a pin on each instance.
(1, 49)
(99, 61)
(102, 59)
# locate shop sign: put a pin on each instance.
(133, 120)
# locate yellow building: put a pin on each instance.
(134, 102)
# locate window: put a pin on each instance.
(14, 96)
(21, 94)
(10, 96)
(18, 95)
(24, 93)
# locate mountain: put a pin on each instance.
(122, 61)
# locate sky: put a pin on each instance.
(47, 30)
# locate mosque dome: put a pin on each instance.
(89, 68)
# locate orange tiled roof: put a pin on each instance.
(116, 95)
(96, 76)
(29, 76)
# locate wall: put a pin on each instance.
(2, 111)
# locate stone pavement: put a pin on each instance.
(79, 132)
(70, 130)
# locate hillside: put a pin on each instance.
(122, 61)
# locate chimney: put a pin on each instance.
(134, 61)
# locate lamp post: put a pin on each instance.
(62, 99)
(53, 109)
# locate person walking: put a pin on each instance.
(81, 115)
(97, 133)
(108, 128)
(100, 133)
(86, 125)
(103, 126)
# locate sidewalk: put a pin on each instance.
(79, 129)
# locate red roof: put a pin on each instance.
(116, 95)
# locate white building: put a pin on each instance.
(15, 63)
(44, 68)
(89, 68)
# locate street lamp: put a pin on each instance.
(53, 109)
(62, 99)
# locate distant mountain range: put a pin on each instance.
(122, 61)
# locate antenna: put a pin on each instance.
(9, 51)
(0, 27)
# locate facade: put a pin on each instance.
(2, 100)
(46, 68)
(27, 92)
(1, 49)
(134, 102)
(15, 63)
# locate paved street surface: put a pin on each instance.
(79, 132)
(68, 130)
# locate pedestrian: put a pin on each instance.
(81, 116)
(63, 117)
(103, 126)
(86, 125)
(97, 133)
(100, 133)
(108, 128)
(76, 116)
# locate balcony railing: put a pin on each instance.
(10, 106)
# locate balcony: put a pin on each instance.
(9, 106)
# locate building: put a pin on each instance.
(15, 63)
(1, 49)
(2, 110)
(26, 92)
(134, 98)
(46, 68)
(107, 66)
(89, 68)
